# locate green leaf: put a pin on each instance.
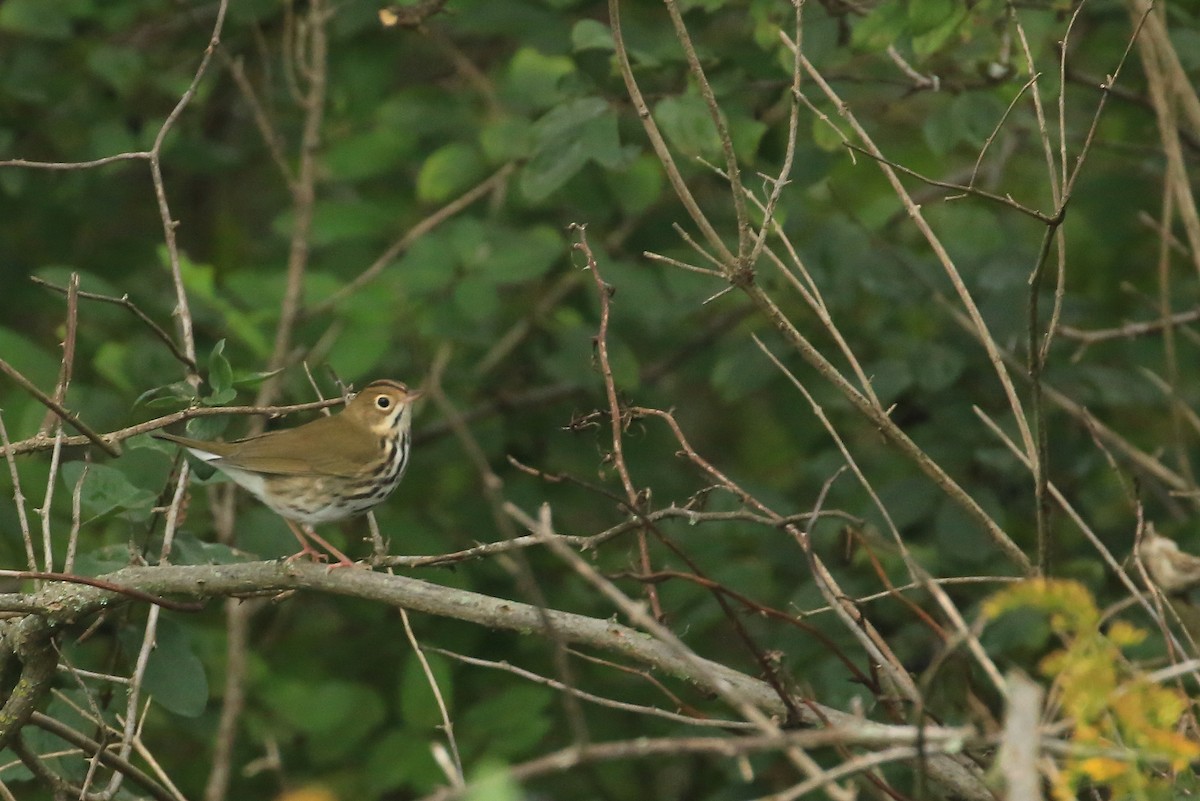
(909, 500)
(935, 38)
(515, 720)
(738, 374)
(105, 489)
(449, 171)
(492, 781)
(119, 67)
(104, 559)
(567, 138)
(220, 398)
(976, 115)
(36, 18)
(402, 757)
(348, 739)
(432, 263)
(220, 374)
(368, 335)
(476, 299)
(940, 128)
(889, 378)
(32, 361)
(590, 34)
(176, 394)
(110, 362)
(925, 15)
(686, 122)
(746, 133)
(250, 380)
(506, 138)
(200, 282)
(198, 279)
(108, 137)
(511, 256)
(881, 27)
(375, 152)
(209, 427)
(827, 136)
(639, 185)
(175, 676)
(961, 539)
(342, 220)
(190, 550)
(418, 706)
(936, 366)
(336, 715)
(1020, 633)
(534, 79)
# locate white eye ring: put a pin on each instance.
(383, 402)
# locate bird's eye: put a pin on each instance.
(383, 402)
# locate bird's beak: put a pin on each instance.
(413, 394)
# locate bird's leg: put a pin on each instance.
(307, 549)
(342, 559)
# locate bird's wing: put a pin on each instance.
(276, 453)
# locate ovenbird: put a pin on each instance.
(330, 469)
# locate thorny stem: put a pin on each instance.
(616, 416)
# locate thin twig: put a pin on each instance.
(67, 363)
(519, 567)
(521, 329)
(729, 747)
(1170, 94)
(76, 165)
(76, 520)
(18, 497)
(856, 624)
(732, 170)
(150, 632)
(638, 615)
(965, 189)
(457, 777)
(779, 181)
(126, 303)
(109, 447)
(1111, 561)
(616, 417)
(385, 259)
(690, 204)
(593, 541)
(919, 81)
(233, 698)
(35, 444)
(599, 700)
(169, 224)
(44, 511)
(1129, 330)
(269, 133)
(93, 748)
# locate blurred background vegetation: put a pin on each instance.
(523, 98)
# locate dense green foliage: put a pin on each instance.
(528, 94)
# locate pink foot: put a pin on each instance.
(312, 553)
(307, 536)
